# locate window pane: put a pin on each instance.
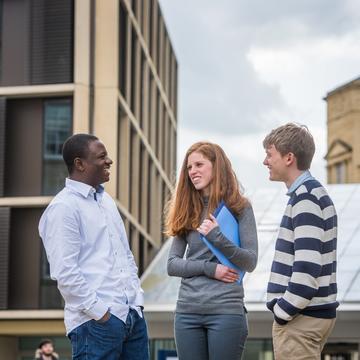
(57, 128)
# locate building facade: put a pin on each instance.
(71, 66)
(343, 124)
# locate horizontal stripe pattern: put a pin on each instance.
(303, 272)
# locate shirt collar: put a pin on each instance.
(305, 176)
(82, 188)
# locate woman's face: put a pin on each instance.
(200, 172)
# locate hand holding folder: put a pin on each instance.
(229, 226)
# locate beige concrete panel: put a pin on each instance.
(128, 60)
(340, 158)
(32, 327)
(172, 81)
(172, 174)
(106, 128)
(160, 131)
(145, 100)
(331, 175)
(356, 145)
(106, 82)
(37, 90)
(135, 174)
(154, 32)
(137, 84)
(161, 51)
(154, 205)
(82, 42)
(158, 208)
(106, 43)
(81, 66)
(167, 68)
(167, 152)
(145, 23)
(81, 109)
(145, 206)
(124, 161)
(26, 201)
(8, 347)
(138, 13)
(31, 314)
(153, 119)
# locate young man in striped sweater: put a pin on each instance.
(302, 287)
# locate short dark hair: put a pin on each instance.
(76, 146)
(294, 138)
(44, 342)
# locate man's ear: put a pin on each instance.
(290, 159)
(79, 164)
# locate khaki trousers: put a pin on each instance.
(302, 338)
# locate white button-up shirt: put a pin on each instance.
(89, 255)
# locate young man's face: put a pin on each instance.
(47, 349)
(97, 164)
(277, 164)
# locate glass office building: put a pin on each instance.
(78, 66)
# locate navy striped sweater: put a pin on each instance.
(303, 272)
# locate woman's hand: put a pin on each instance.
(226, 274)
(207, 225)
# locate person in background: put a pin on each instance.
(89, 256)
(210, 318)
(302, 288)
(45, 351)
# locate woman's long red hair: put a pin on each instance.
(183, 211)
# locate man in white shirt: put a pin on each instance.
(89, 255)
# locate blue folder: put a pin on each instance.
(229, 226)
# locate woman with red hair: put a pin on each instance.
(210, 318)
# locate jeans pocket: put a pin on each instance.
(103, 323)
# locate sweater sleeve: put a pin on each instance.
(244, 257)
(308, 226)
(186, 268)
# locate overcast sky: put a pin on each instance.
(247, 66)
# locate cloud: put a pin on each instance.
(307, 70)
(218, 85)
(247, 66)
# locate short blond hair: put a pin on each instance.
(294, 138)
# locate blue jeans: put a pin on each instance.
(210, 337)
(112, 340)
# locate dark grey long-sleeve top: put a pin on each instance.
(199, 291)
